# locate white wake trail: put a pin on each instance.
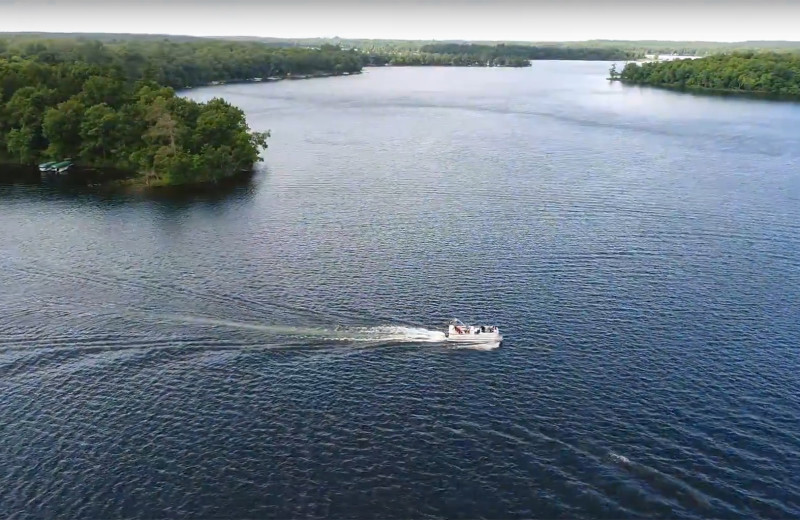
(399, 333)
(377, 334)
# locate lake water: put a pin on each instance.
(274, 350)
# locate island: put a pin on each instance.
(775, 74)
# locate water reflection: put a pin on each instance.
(85, 186)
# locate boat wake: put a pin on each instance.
(398, 333)
(379, 334)
(489, 345)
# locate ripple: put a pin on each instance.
(280, 354)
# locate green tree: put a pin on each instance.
(100, 131)
(62, 128)
(102, 89)
(19, 144)
(27, 106)
(758, 72)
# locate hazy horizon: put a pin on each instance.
(340, 37)
(505, 20)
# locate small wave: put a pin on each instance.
(477, 346)
(622, 459)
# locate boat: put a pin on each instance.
(59, 168)
(46, 167)
(459, 332)
(62, 167)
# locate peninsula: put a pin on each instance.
(764, 73)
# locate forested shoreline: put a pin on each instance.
(534, 52)
(97, 117)
(187, 64)
(421, 59)
(766, 73)
(115, 106)
(501, 55)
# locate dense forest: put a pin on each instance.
(417, 58)
(531, 52)
(377, 46)
(637, 47)
(691, 48)
(500, 55)
(755, 72)
(96, 116)
(188, 63)
(113, 105)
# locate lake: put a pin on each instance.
(274, 350)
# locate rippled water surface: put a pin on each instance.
(275, 350)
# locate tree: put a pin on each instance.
(19, 144)
(62, 128)
(100, 130)
(27, 106)
(102, 89)
(163, 127)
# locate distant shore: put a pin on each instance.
(763, 75)
(273, 79)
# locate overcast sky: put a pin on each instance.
(713, 20)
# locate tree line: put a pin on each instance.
(773, 73)
(533, 52)
(691, 48)
(638, 47)
(384, 46)
(417, 59)
(94, 115)
(500, 55)
(189, 63)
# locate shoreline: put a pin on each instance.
(767, 96)
(111, 179)
(316, 75)
(270, 79)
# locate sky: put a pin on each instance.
(510, 20)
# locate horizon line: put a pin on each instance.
(289, 38)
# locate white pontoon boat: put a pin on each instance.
(457, 331)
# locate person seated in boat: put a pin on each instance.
(459, 330)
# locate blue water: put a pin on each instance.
(274, 350)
